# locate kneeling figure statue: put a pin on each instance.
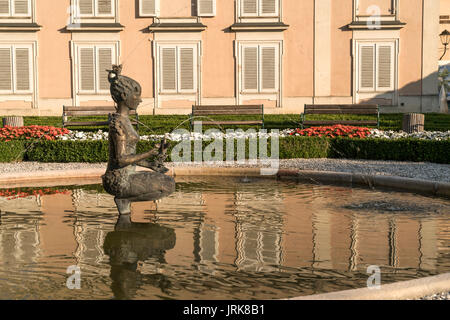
(121, 178)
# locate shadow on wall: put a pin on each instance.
(410, 98)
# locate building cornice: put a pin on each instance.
(14, 27)
(259, 26)
(99, 27)
(177, 27)
(384, 25)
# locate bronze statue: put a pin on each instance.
(131, 243)
(121, 178)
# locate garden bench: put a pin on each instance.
(346, 109)
(209, 110)
(79, 112)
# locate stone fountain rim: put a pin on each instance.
(411, 289)
(86, 176)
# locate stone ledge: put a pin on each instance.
(412, 289)
(441, 189)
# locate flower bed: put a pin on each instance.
(333, 132)
(328, 132)
(8, 133)
(11, 194)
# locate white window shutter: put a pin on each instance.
(385, 67)
(87, 70)
(105, 62)
(206, 8)
(268, 68)
(249, 7)
(148, 7)
(250, 67)
(104, 6)
(5, 69)
(168, 66)
(186, 69)
(22, 65)
(269, 7)
(86, 6)
(4, 7)
(21, 7)
(367, 67)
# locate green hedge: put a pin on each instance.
(290, 147)
(12, 151)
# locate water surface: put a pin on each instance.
(227, 238)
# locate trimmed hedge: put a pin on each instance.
(290, 147)
(12, 151)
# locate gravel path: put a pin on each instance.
(418, 170)
(439, 296)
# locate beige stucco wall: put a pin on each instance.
(316, 61)
(218, 53)
(299, 48)
(444, 11)
(410, 54)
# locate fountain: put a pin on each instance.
(121, 178)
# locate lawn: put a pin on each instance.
(160, 124)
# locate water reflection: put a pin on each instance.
(131, 243)
(219, 240)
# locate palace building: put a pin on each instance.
(280, 53)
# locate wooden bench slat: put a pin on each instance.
(342, 105)
(86, 113)
(315, 122)
(212, 110)
(86, 123)
(228, 112)
(344, 112)
(226, 107)
(229, 122)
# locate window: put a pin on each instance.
(206, 8)
(376, 67)
(148, 8)
(259, 8)
(260, 68)
(15, 8)
(16, 72)
(178, 68)
(96, 8)
(93, 61)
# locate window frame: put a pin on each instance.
(259, 13)
(12, 14)
(12, 48)
(177, 48)
(213, 14)
(394, 66)
(260, 46)
(96, 47)
(157, 10)
(95, 13)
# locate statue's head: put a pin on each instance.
(124, 90)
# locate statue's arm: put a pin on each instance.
(124, 159)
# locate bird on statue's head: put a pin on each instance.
(124, 89)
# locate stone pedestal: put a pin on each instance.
(13, 121)
(413, 122)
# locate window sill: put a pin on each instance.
(13, 27)
(86, 27)
(259, 26)
(384, 25)
(177, 27)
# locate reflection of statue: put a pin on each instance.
(131, 242)
(121, 178)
